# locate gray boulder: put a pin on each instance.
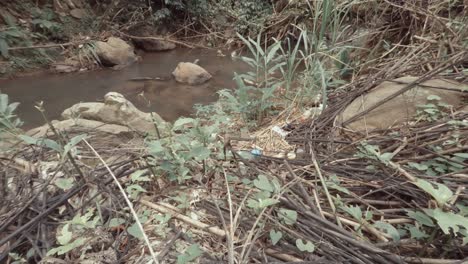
(402, 108)
(191, 73)
(116, 110)
(152, 44)
(114, 52)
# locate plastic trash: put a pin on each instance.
(280, 131)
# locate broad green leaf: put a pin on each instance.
(461, 155)
(200, 153)
(442, 194)
(64, 183)
(263, 183)
(114, 222)
(155, 148)
(307, 247)
(65, 235)
(418, 166)
(289, 217)
(463, 209)
(135, 231)
(354, 211)
(416, 233)
(134, 190)
(179, 123)
(275, 236)
(388, 229)
(421, 218)
(448, 220)
(263, 203)
(192, 253)
(137, 176)
(66, 248)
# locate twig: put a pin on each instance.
(129, 204)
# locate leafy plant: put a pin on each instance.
(189, 143)
(190, 254)
(74, 233)
(433, 110)
(253, 98)
(9, 122)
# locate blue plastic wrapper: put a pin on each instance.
(256, 152)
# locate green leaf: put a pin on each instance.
(416, 233)
(137, 176)
(461, 155)
(135, 231)
(155, 148)
(200, 153)
(75, 140)
(263, 183)
(179, 123)
(388, 229)
(289, 217)
(263, 203)
(66, 248)
(134, 190)
(354, 211)
(418, 166)
(41, 142)
(442, 194)
(192, 253)
(307, 247)
(463, 209)
(65, 236)
(275, 236)
(421, 218)
(64, 183)
(448, 220)
(114, 222)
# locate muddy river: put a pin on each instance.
(168, 98)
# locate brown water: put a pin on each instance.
(168, 98)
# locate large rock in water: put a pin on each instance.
(151, 44)
(115, 52)
(116, 110)
(402, 108)
(191, 73)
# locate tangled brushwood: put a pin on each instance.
(252, 179)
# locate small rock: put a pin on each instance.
(187, 72)
(62, 68)
(78, 13)
(115, 52)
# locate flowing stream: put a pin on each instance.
(167, 97)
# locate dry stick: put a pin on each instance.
(231, 219)
(167, 209)
(129, 204)
(325, 188)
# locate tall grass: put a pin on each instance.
(308, 67)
